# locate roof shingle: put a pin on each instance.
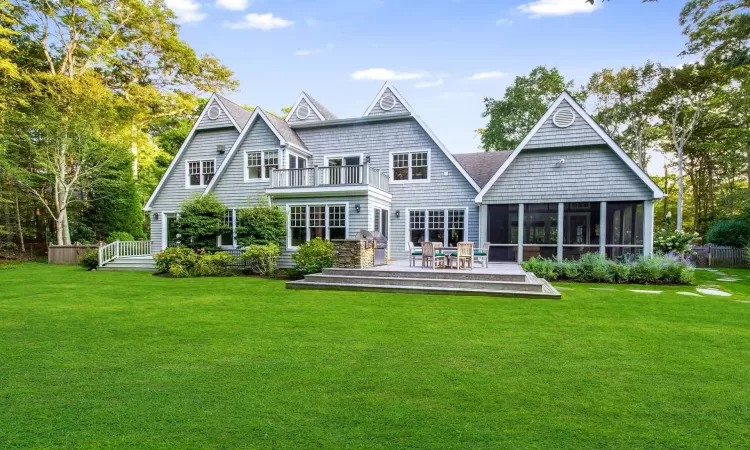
(237, 111)
(481, 166)
(327, 115)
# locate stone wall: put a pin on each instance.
(352, 254)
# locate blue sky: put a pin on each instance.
(444, 56)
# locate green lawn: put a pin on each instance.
(128, 360)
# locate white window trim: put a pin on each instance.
(409, 152)
(342, 156)
(407, 226)
(187, 173)
(372, 222)
(307, 206)
(289, 160)
(262, 164)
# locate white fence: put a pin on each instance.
(119, 249)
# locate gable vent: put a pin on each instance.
(387, 102)
(303, 112)
(214, 112)
(564, 118)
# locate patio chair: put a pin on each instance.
(414, 252)
(431, 257)
(465, 255)
(482, 255)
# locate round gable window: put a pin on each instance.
(303, 112)
(387, 102)
(214, 112)
(564, 118)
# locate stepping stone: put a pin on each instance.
(602, 289)
(727, 279)
(642, 291)
(709, 291)
(691, 294)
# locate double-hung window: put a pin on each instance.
(307, 222)
(410, 166)
(227, 238)
(444, 226)
(200, 173)
(260, 163)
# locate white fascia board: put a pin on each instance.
(612, 144)
(304, 97)
(296, 149)
(224, 164)
(182, 149)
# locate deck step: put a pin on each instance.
(127, 267)
(420, 290)
(428, 274)
(145, 263)
(447, 281)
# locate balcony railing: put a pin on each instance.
(330, 176)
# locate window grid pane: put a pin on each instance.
(437, 221)
(317, 216)
(297, 216)
(416, 220)
(455, 219)
(419, 159)
(336, 217)
(401, 160)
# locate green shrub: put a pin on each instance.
(200, 221)
(570, 270)
(312, 257)
(90, 260)
(179, 271)
(674, 241)
(595, 267)
(619, 273)
(214, 264)
(263, 259)
(549, 269)
(119, 236)
(733, 232)
(182, 256)
(260, 224)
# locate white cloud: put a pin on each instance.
(233, 5)
(485, 76)
(262, 22)
(503, 22)
(542, 8)
(386, 74)
(186, 10)
(429, 84)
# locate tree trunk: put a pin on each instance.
(134, 146)
(20, 227)
(666, 191)
(66, 228)
(680, 187)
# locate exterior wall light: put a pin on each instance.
(155, 216)
(356, 207)
(398, 214)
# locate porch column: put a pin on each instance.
(648, 227)
(483, 221)
(602, 228)
(560, 216)
(164, 238)
(520, 233)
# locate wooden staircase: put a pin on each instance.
(126, 255)
(430, 282)
(145, 263)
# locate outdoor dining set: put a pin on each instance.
(436, 256)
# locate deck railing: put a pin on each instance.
(123, 248)
(362, 174)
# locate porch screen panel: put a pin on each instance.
(540, 230)
(581, 229)
(502, 232)
(624, 230)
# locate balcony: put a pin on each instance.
(330, 179)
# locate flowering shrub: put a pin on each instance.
(262, 259)
(677, 241)
(182, 256)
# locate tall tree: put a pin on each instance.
(624, 109)
(525, 101)
(718, 29)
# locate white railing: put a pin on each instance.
(123, 248)
(330, 176)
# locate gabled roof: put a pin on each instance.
(386, 87)
(236, 111)
(185, 144)
(565, 96)
(286, 132)
(481, 166)
(327, 115)
(319, 110)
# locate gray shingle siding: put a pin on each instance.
(588, 174)
(222, 121)
(203, 146)
(231, 188)
(156, 235)
(357, 220)
(578, 134)
(378, 140)
(311, 118)
(399, 108)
